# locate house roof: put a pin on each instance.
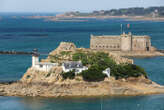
(72, 64)
(46, 63)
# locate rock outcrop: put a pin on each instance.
(76, 88)
(51, 84)
(70, 48)
(64, 46)
(34, 76)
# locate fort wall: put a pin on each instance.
(106, 42)
(141, 43)
(124, 42)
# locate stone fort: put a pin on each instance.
(123, 42)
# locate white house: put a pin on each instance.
(73, 65)
(107, 72)
(42, 66)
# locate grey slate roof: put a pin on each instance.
(72, 64)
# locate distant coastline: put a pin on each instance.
(136, 13)
(63, 18)
(79, 18)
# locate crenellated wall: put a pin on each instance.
(105, 42)
(124, 42)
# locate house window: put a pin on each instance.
(76, 70)
(69, 65)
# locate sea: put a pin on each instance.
(19, 32)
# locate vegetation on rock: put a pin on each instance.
(129, 70)
(65, 53)
(94, 73)
(136, 11)
(61, 56)
(99, 61)
(54, 58)
(69, 75)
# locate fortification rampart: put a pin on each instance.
(124, 42)
(105, 42)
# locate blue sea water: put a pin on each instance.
(24, 34)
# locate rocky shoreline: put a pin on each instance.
(73, 88)
(38, 83)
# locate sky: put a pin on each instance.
(72, 5)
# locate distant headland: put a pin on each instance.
(134, 13)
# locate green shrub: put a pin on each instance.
(93, 58)
(80, 56)
(54, 58)
(99, 61)
(49, 74)
(69, 75)
(65, 52)
(28, 76)
(94, 73)
(129, 70)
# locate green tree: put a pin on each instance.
(69, 75)
(94, 73)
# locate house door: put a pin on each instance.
(147, 46)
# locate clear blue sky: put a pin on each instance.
(72, 5)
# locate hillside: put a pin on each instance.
(136, 11)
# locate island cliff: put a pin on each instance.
(52, 84)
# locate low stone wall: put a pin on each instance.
(138, 53)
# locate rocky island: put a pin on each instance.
(69, 71)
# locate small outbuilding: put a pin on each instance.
(107, 72)
(41, 66)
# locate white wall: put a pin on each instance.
(35, 60)
(79, 69)
(44, 67)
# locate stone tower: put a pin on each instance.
(126, 42)
(35, 57)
